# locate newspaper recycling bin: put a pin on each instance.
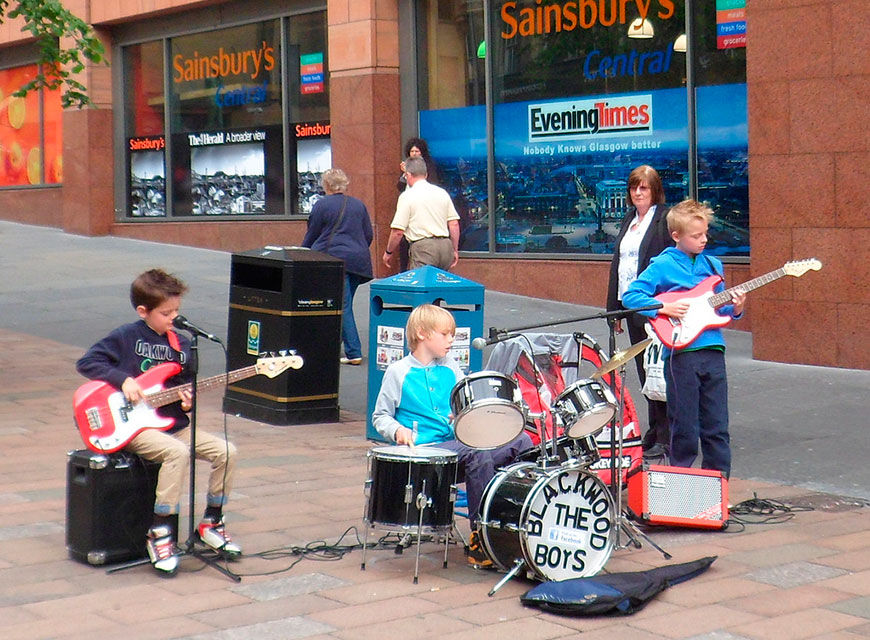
(390, 303)
(285, 299)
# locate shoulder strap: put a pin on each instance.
(172, 337)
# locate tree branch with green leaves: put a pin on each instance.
(51, 24)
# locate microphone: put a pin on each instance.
(495, 335)
(180, 322)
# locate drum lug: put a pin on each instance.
(409, 493)
(367, 488)
(454, 492)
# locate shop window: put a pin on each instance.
(30, 146)
(144, 110)
(452, 108)
(215, 145)
(577, 102)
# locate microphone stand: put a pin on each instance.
(500, 335)
(189, 547)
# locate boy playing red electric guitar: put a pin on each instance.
(697, 385)
(118, 359)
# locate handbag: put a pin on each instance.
(654, 387)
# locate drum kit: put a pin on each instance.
(548, 514)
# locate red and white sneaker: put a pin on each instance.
(213, 535)
(161, 550)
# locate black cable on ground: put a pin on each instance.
(763, 511)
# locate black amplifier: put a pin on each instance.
(109, 506)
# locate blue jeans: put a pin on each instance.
(349, 334)
(698, 409)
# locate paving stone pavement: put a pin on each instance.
(303, 485)
(808, 577)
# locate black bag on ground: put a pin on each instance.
(612, 593)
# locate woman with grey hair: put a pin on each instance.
(339, 225)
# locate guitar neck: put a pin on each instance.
(719, 299)
(168, 396)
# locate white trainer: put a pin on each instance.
(161, 550)
(213, 534)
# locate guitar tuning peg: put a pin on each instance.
(283, 352)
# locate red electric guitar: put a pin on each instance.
(678, 333)
(107, 421)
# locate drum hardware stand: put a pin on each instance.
(518, 566)
(422, 502)
(623, 523)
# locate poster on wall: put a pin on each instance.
(730, 24)
(147, 173)
(313, 157)
(228, 172)
(561, 166)
(229, 178)
(20, 153)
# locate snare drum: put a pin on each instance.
(585, 407)
(560, 522)
(487, 410)
(581, 452)
(401, 479)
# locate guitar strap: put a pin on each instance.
(172, 337)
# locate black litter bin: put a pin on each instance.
(285, 299)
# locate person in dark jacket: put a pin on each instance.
(339, 225)
(642, 236)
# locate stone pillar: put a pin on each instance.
(88, 159)
(808, 84)
(364, 105)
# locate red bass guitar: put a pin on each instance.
(107, 421)
(679, 333)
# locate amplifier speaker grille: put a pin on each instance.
(678, 496)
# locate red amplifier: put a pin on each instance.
(677, 496)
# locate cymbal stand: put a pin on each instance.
(623, 523)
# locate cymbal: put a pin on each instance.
(621, 357)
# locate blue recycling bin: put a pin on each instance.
(391, 301)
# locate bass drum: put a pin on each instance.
(559, 522)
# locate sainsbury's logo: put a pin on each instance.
(576, 119)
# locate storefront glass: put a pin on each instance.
(309, 106)
(452, 108)
(144, 119)
(578, 100)
(30, 145)
(224, 152)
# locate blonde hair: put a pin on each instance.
(425, 319)
(334, 180)
(682, 214)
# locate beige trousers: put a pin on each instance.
(172, 451)
(435, 251)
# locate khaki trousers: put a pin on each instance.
(437, 252)
(172, 451)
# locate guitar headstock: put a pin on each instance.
(274, 366)
(798, 268)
